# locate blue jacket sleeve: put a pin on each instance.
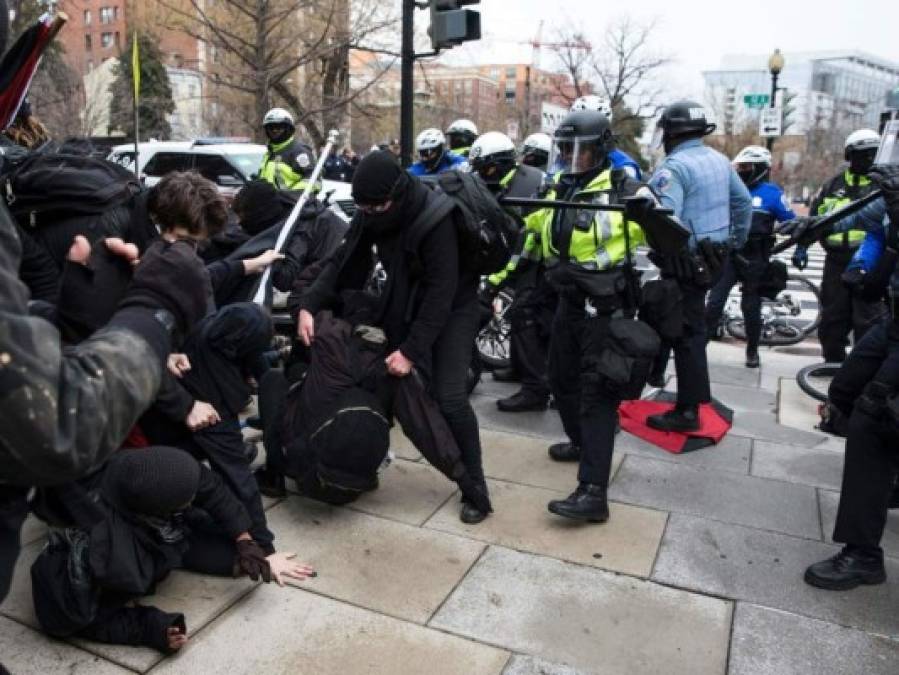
(869, 252)
(870, 218)
(740, 210)
(777, 205)
(668, 183)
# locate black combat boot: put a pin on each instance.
(752, 358)
(565, 452)
(270, 484)
(849, 568)
(523, 401)
(678, 419)
(587, 503)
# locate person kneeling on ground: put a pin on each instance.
(429, 308)
(158, 510)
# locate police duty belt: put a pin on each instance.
(664, 233)
(822, 227)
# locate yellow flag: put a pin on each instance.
(135, 66)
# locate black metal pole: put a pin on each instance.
(823, 225)
(407, 100)
(770, 141)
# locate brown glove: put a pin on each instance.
(251, 561)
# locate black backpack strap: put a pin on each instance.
(439, 207)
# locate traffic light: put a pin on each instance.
(451, 26)
(787, 109)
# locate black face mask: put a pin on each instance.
(861, 162)
(382, 223)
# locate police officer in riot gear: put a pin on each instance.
(866, 392)
(618, 158)
(748, 266)
(843, 309)
(535, 151)
(492, 157)
(433, 156)
(710, 200)
(461, 135)
(288, 162)
(587, 255)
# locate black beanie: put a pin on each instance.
(259, 206)
(154, 481)
(378, 177)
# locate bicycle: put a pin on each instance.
(493, 340)
(782, 318)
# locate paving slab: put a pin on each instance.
(524, 459)
(731, 454)
(764, 426)
(830, 501)
(766, 568)
(401, 446)
(726, 373)
(33, 529)
(380, 564)
(545, 424)
(490, 387)
(201, 598)
(409, 492)
(746, 500)
(528, 665)
(771, 642)
(741, 398)
(24, 650)
(820, 467)
(298, 632)
(627, 543)
(586, 618)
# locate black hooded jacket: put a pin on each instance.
(423, 286)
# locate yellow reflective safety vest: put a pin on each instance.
(597, 238)
(842, 189)
(287, 164)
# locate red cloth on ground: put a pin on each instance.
(714, 423)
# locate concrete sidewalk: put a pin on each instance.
(698, 571)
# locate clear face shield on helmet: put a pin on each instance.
(575, 154)
(888, 151)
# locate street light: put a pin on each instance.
(775, 65)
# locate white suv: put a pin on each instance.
(228, 165)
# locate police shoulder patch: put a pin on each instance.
(661, 180)
(303, 160)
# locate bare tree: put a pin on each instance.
(289, 52)
(619, 67)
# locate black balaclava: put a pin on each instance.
(377, 179)
(754, 175)
(151, 481)
(259, 205)
(861, 161)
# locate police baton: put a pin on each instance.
(287, 227)
(561, 204)
(822, 227)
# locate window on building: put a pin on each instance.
(510, 95)
(87, 17)
(468, 87)
(510, 73)
(106, 40)
(118, 40)
(107, 15)
(87, 42)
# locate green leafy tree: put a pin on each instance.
(155, 101)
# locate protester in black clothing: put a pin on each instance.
(157, 510)
(428, 309)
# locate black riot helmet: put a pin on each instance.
(581, 142)
(680, 121)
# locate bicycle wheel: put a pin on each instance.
(815, 379)
(809, 305)
(787, 319)
(493, 342)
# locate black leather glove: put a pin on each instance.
(90, 293)
(251, 561)
(713, 254)
(638, 208)
(799, 230)
(873, 400)
(170, 276)
(854, 278)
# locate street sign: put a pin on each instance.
(550, 117)
(756, 100)
(770, 122)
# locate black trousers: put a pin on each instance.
(13, 510)
(872, 443)
(690, 362)
(748, 267)
(589, 413)
(449, 383)
(842, 310)
(531, 319)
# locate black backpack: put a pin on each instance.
(487, 233)
(348, 448)
(47, 187)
